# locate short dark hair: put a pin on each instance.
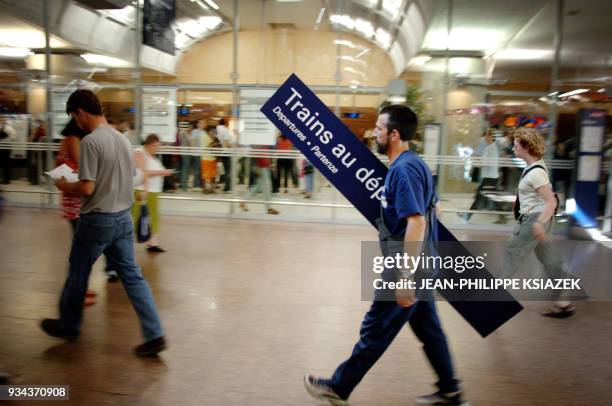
(85, 100)
(402, 119)
(151, 138)
(73, 129)
(222, 121)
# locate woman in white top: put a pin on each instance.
(149, 186)
(537, 208)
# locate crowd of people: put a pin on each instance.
(114, 179)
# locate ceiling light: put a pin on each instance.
(522, 54)
(96, 59)
(467, 39)
(342, 19)
(392, 6)
(420, 60)
(345, 43)
(15, 52)
(181, 40)
(355, 71)
(396, 99)
(383, 37)
(199, 27)
(27, 38)
(364, 27)
(574, 92)
(320, 17)
(365, 51)
(602, 90)
(352, 59)
(212, 4)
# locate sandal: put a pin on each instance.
(558, 312)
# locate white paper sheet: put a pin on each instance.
(63, 171)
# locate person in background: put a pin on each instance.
(489, 172)
(70, 204)
(504, 145)
(537, 210)
(106, 171)
(224, 138)
(127, 129)
(112, 123)
(7, 134)
(208, 161)
(186, 140)
(150, 187)
(284, 165)
(262, 184)
(196, 141)
(309, 177)
(37, 159)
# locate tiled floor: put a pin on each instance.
(249, 306)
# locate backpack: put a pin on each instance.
(516, 207)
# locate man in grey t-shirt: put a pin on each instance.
(106, 159)
(105, 225)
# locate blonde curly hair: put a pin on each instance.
(530, 140)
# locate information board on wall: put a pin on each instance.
(60, 118)
(255, 128)
(159, 112)
(588, 167)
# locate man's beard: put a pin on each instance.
(382, 148)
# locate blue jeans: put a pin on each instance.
(113, 235)
(309, 182)
(190, 162)
(381, 324)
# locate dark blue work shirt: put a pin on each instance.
(409, 189)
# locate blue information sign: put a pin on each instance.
(588, 167)
(359, 175)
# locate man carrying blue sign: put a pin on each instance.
(407, 215)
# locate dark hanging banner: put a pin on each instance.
(157, 24)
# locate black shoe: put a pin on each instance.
(151, 348)
(558, 312)
(4, 378)
(155, 248)
(111, 276)
(440, 398)
(53, 328)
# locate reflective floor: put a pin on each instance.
(249, 306)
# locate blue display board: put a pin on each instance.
(591, 128)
